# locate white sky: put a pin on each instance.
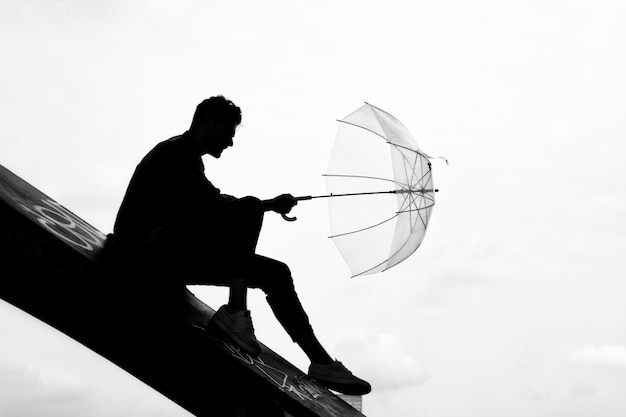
(514, 303)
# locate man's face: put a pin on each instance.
(219, 137)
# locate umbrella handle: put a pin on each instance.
(294, 218)
(287, 218)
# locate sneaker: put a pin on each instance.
(238, 327)
(338, 378)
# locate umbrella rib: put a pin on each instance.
(394, 254)
(374, 267)
(419, 215)
(422, 193)
(364, 128)
(406, 175)
(422, 154)
(417, 209)
(407, 162)
(365, 228)
(416, 151)
(361, 176)
(424, 209)
(413, 203)
(399, 249)
(413, 193)
(405, 147)
(410, 164)
(412, 190)
(383, 262)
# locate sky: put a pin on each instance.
(513, 305)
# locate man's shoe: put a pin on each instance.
(238, 327)
(338, 378)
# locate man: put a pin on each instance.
(186, 229)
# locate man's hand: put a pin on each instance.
(281, 204)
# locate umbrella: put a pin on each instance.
(387, 183)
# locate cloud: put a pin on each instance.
(24, 392)
(535, 395)
(581, 389)
(382, 360)
(602, 355)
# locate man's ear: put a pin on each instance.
(207, 125)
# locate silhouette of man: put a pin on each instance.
(180, 224)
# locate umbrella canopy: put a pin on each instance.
(389, 181)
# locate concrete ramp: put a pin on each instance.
(54, 266)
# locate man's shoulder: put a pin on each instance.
(172, 148)
(175, 142)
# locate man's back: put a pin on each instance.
(168, 184)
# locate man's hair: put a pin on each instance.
(218, 109)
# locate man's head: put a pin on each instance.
(214, 124)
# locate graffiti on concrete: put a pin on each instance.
(300, 385)
(65, 225)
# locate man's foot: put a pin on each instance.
(238, 327)
(338, 378)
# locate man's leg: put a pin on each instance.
(186, 249)
(314, 350)
(275, 279)
(238, 295)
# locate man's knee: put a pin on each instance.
(279, 280)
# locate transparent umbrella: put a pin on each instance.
(386, 184)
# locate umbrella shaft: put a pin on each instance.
(310, 197)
